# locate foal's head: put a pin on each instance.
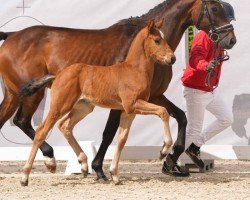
(156, 47)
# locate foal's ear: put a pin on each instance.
(151, 25)
(159, 24)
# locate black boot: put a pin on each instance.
(171, 168)
(193, 152)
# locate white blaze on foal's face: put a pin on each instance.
(169, 56)
(156, 47)
(166, 53)
(162, 35)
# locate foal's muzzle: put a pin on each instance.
(169, 60)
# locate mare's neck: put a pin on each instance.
(177, 18)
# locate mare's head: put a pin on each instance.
(214, 17)
(156, 47)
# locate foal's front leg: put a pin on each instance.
(125, 124)
(145, 108)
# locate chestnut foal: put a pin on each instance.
(126, 86)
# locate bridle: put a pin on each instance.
(214, 34)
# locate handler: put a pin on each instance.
(200, 80)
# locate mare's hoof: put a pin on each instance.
(172, 169)
(100, 175)
(102, 178)
(24, 183)
(50, 163)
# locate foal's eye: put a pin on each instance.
(215, 9)
(157, 41)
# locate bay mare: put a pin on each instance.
(36, 51)
(125, 86)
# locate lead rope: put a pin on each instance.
(211, 71)
(218, 60)
(19, 143)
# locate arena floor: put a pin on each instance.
(140, 180)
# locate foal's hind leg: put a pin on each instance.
(145, 108)
(23, 120)
(80, 110)
(40, 136)
(125, 124)
(61, 103)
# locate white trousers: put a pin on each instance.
(197, 102)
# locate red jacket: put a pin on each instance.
(201, 54)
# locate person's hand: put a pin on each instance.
(210, 67)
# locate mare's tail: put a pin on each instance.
(3, 35)
(32, 87)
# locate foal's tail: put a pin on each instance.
(3, 35)
(32, 87)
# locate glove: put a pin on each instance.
(211, 66)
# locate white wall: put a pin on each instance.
(146, 130)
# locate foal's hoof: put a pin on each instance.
(85, 173)
(50, 163)
(115, 179)
(51, 169)
(165, 151)
(162, 155)
(24, 183)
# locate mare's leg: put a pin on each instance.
(107, 138)
(23, 120)
(125, 123)
(80, 110)
(181, 119)
(8, 106)
(145, 108)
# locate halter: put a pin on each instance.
(214, 34)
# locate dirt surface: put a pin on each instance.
(140, 180)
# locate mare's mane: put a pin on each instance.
(143, 19)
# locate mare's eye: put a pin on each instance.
(157, 41)
(215, 9)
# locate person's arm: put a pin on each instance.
(199, 52)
